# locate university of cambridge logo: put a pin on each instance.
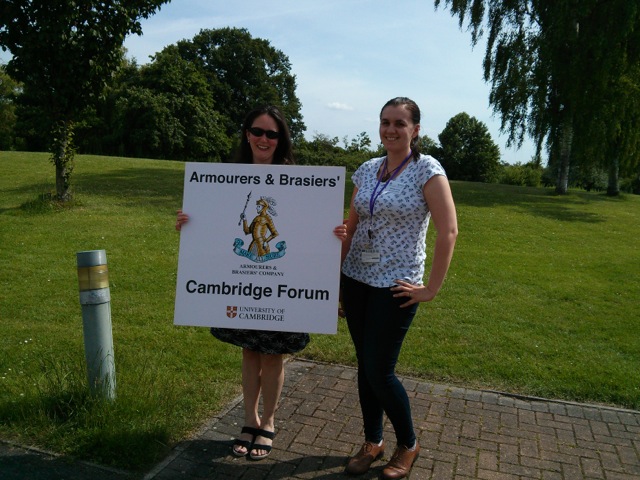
(232, 312)
(262, 231)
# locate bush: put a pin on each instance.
(524, 175)
(323, 150)
(630, 185)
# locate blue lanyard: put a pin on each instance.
(375, 194)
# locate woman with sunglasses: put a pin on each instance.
(394, 198)
(265, 140)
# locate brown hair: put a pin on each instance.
(414, 110)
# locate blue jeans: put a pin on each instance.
(378, 326)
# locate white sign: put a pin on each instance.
(259, 251)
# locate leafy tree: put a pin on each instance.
(161, 110)
(609, 130)
(467, 151)
(97, 130)
(429, 146)
(198, 134)
(9, 90)
(527, 44)
(610, 140)
(552, 65)
(361, 143)
(243, 72)
(64, 52)
(321, 150)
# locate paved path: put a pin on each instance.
(464, 434)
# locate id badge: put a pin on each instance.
(370, 256)
(395, 187)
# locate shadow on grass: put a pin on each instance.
(561, 213)
(130, 447)
(160, 186)
(533, 201)
(61, 414)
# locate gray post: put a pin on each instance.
(95, 298)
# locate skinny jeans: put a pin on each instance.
(378, 327)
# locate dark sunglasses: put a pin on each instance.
(258, 132)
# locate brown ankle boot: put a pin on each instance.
(401, 462)
(362, 461)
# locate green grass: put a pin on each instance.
(541, 299)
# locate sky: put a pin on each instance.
(349, 57)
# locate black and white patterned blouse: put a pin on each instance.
(398, 225)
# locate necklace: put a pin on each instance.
(386, 174)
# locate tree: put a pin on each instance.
(177, 107)
(322, 150)
(359, 144)
(9, 90)
(161, 110)
(609, 138)
(97, 131)
(467, 150)
(428, 146)
(550, 64)
(64, 52)
(528, 87)
(243, 72)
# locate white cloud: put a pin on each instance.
(339, 106)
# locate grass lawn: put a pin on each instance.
(541, 299)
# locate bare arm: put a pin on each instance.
(437, 194)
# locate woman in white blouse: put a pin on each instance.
(384, 255)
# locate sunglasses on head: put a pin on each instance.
(258, 132)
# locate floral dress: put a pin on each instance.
(263, 341)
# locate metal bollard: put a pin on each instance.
(95, 298)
